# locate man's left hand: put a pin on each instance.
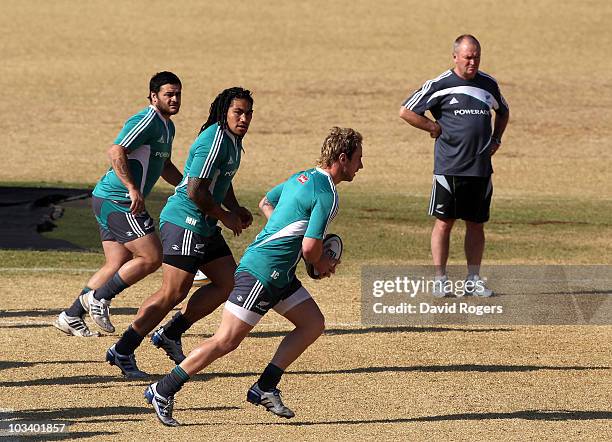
(494, 147)
(245, 216)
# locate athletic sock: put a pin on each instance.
(172, 382)
(111, 288)
(129, 342)
(176, 326)
(76, 309)
(270, 377)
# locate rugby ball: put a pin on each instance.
(332, 247)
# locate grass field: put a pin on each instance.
(73, 71)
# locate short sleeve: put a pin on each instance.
(138, 130)
(425, 98)
(503, 108)
(323, 211)
(274, 194)
(207, 154)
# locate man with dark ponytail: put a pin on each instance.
(191, 239)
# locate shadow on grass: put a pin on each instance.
(99, 381)
(541, 415)
(129, 311)
(73, 436)
(91, 413)
(85, 415)
(372, 330)
(26, 325)
(68, 380)
(409, 369)
(5, 365)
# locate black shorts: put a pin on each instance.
(461, 197)
(188, 250)
(117, 223)
(250, 301)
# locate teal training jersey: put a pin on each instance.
(147, 137)
(214, 155)
(304, 205)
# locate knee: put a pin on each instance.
(474, 227)
(171, 296)
(443, 227)
(316, 327)
(226, 345)
(320, 326)
(152, 263)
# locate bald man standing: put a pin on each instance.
(462, 101)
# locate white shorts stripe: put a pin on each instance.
(432, 198)
(187, 236)
(257, 289)
(140, 229)
(134, 225)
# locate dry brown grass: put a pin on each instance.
(448, 382)
(76, 70)
(73, 71)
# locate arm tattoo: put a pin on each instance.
(121, 168)
(197, 190)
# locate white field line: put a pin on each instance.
(47, 269)
(259, 326)
(92, 270)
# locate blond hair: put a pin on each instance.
(339, 141)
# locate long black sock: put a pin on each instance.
(270, 377)
(176, 326)
(172, 382)
(76, 309)
(129, 342)
(111, 288)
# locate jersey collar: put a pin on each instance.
(231, 137)
(318, 169)
(161, 117)
(237, 141)
(164, 119)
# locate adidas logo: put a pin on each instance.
(231, 161)
(161, 139)
(454, 101)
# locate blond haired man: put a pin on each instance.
(299, 212)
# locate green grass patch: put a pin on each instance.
(387, 229)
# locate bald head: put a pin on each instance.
(466, 55)
(468, 39)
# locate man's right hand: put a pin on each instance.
(138, 202)
(232, 221)
(436, 130)
(326, 266)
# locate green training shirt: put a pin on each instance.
(304, 205)
(147, 138)
(214, 155)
